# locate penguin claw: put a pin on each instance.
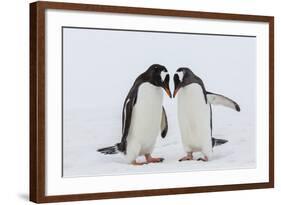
(161, 159)
(188, 157)
(155, 160)
(185, 159)
(205, 159)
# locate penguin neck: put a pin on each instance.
(188, 82)
(150, 94)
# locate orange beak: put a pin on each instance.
(175, 92)
(168, 92)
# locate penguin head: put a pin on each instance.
(158, 75)
(181, 76)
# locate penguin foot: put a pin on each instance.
(138, 163)
(204, 159)
(187, 157)
(155, 160)
(150, 159)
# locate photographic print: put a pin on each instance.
(117, 100)
(133, 102)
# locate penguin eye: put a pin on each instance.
(167, 79)
(176, 78)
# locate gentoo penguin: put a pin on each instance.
(143, 116)
(195, 113)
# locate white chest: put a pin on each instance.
(191, 100)
(146, 115)
(193, 116)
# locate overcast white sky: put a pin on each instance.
(100, 66)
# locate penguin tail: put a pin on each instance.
(109, 150)
(217, 142)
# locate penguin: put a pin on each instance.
(195, 113)
(143, 116)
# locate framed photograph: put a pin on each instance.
(128, 102)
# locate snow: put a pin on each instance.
(97, 77)
(81, 158)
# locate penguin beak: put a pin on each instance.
(167, 89)
(166, 86)
(177, 84)
(175, 92)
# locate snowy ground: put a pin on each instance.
(98, 73)
(82, 141)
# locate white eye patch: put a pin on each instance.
(163, 75)
(180, 74)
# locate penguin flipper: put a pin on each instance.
(164, 123)
(129, 103)
(217, 99)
